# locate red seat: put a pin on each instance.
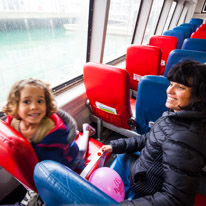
(166, 44)
(140, 61)
(108, 92)
(17, 155)
(19, 159)
(202, 27)
(93, 147)
(199, 35)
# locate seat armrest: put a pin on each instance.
(99, 156)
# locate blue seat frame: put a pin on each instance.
(194, 44)
(179, 34)
(196, 21)
(191, 25)
(150, 102)
(186, 29)
(178, 55)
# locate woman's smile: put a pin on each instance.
(178, 96)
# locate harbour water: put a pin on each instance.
(54, 56)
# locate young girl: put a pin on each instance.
(32, 111)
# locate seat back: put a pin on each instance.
(108, 91)
(17, 155)
(196, 21)
(142, 60)
(166, 44)
(199, 35)
(179, 34)
(150, 103)
(194, 44)
(201, 28)
(193, 26)
(181, 55)
(186, 29)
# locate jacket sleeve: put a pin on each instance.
(128, 145)
(69, 120)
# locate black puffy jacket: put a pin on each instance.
(172, 156)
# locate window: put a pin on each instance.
(204, 8)
(42, 39)
(169, 18)
(121, 23)
(153, 19)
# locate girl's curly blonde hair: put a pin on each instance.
(14, 97)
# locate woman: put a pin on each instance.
(173, 152)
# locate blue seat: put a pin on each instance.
(179, 34)
(186, 29)
(59, 185)
(193, 26)
(196, 21)
(150, 102)
(181, 54)
(194, 44)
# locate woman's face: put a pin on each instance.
(178, 95)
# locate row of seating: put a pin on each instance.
(141, 60)
(159, 47)
(107, 89)
(191, 48)
(151, 93)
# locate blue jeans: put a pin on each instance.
(121, 166)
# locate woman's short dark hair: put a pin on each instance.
(191, 74)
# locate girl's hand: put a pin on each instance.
(106, 148)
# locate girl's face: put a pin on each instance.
(32, 104)
(178, 95)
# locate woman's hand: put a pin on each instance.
(106, 148)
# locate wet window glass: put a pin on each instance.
(169, 18)
(44, 39)
(120, 28)
(153, 19)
